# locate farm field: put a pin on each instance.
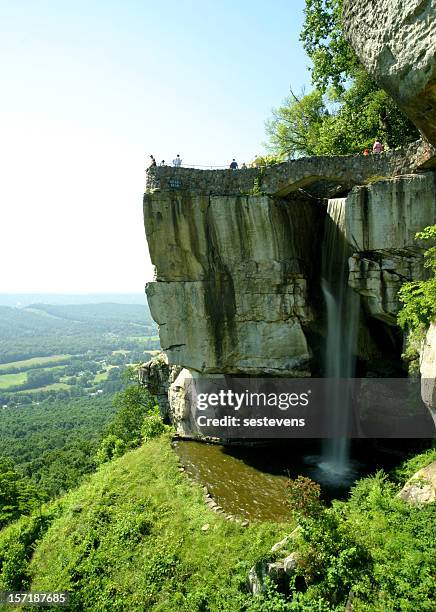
(34, 362)
(11, 380)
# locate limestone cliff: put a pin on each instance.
(381, 222)
(233, 279)
(238, 259)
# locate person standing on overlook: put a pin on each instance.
(152, 161)
(177, 162)
(234, 164)
(377, 147)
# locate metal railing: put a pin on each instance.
(194, 166)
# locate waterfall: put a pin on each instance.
(342, 307)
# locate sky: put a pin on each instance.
(89, 89)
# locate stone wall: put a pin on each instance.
(281, 179)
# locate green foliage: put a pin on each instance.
(53, 443)
(110, 448)
(303, 496)
(334, 61)
(412, 348)
(132, 405)
(346, 111)
(419, 297)
(152, 426)
(17, 543)
(17, 494)
(295, 126)
(131, 538)
(338, 124)
(412, 465)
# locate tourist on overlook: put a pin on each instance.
(153, 161)
(234, 164)
(177, 161)
(162, 163)
(244, 166)
(377, 147)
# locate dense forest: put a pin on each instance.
(62, 368)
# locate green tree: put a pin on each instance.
(110, 448)
(294, 128)
(419, 297)
(334, 61)
(17, 495)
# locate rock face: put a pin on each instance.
(421, 488)
(237, 287)
(381, 222)
(395, 40)
(428, 370)
(233, 274)
(157, 376)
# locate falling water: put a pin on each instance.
(342, 305)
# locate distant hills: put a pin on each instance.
(20, 300)
(46, 328)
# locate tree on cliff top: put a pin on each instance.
(347, 109)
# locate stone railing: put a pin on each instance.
(281, 179)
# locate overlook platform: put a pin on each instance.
(282, 179)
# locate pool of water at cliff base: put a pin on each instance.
(249, 482)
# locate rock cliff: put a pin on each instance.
(233, 277)
(381, 222)
(237, 286)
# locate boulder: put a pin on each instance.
(421, 488)
(290, 563)
(256, 578)
(157, 376)
(276, 571)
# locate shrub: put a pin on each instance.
(419, 297)
(153, 425)
(110, 448)
(303, 496)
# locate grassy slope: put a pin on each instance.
(131, 539)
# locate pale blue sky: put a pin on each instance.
(89, 89)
